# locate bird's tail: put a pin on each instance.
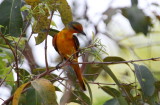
(79, 75)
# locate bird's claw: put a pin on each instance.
(58, 66)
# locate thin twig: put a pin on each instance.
(118, 62)
(7, 44)
(46, 61)
(98, 83)
(1, 99)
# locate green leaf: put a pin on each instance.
(5, 9)
(53, 24)
(116, 101)
(111, 91)
(57, 89)
(75, 96)
(111, 74)
(90, 92)
(42, 35)
(24, 75)
(1, 26)
(40, 38)
(41, 70)
(7, 72)
(123, 90)
(24, 8)
(157, 85)
(92, 71)
(138, 20)
(112, 102)
(32, 97)
(128, 87)
(134, 2)
(17, 94)
(122, 100)
(146, 79)
(46, 90)
(113, 59)
(2, 64)
(11, 17)
(65, 11)
(85, 100)
(16, 22)
(127, 92)
(53, 32)
(12, 40)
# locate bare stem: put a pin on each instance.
(119, 62)
(46, 61)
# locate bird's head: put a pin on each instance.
(75, 27)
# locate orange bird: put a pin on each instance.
(67, 45)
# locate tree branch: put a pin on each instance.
(119, 62)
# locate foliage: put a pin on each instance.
(35, 86)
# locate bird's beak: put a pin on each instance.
(83, 33)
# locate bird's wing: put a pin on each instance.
(54, 42)
(76, 42)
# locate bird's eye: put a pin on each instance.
(75, 28)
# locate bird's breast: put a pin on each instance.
(65, 45)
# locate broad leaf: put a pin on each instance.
(32, 97)
(111, 74)
(116, 101)
(112, 102)
(17, 94)
(7, 72)
(122, 100)
(5, 9)
(113, 59)
(24, 75)
(126, 93)
(16, 23)
(111, 91)
(11, 18)
(40, 38)
(6, 57)
(146, 79)
(46, 90)
(92, 71)
(138, 20)
(65, 11)
(83, 98)
(134, 2)
(75, 96)
(53, 32)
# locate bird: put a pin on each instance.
(67, 45)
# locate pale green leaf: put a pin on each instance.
(46, 90)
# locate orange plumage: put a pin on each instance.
(66, 44)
